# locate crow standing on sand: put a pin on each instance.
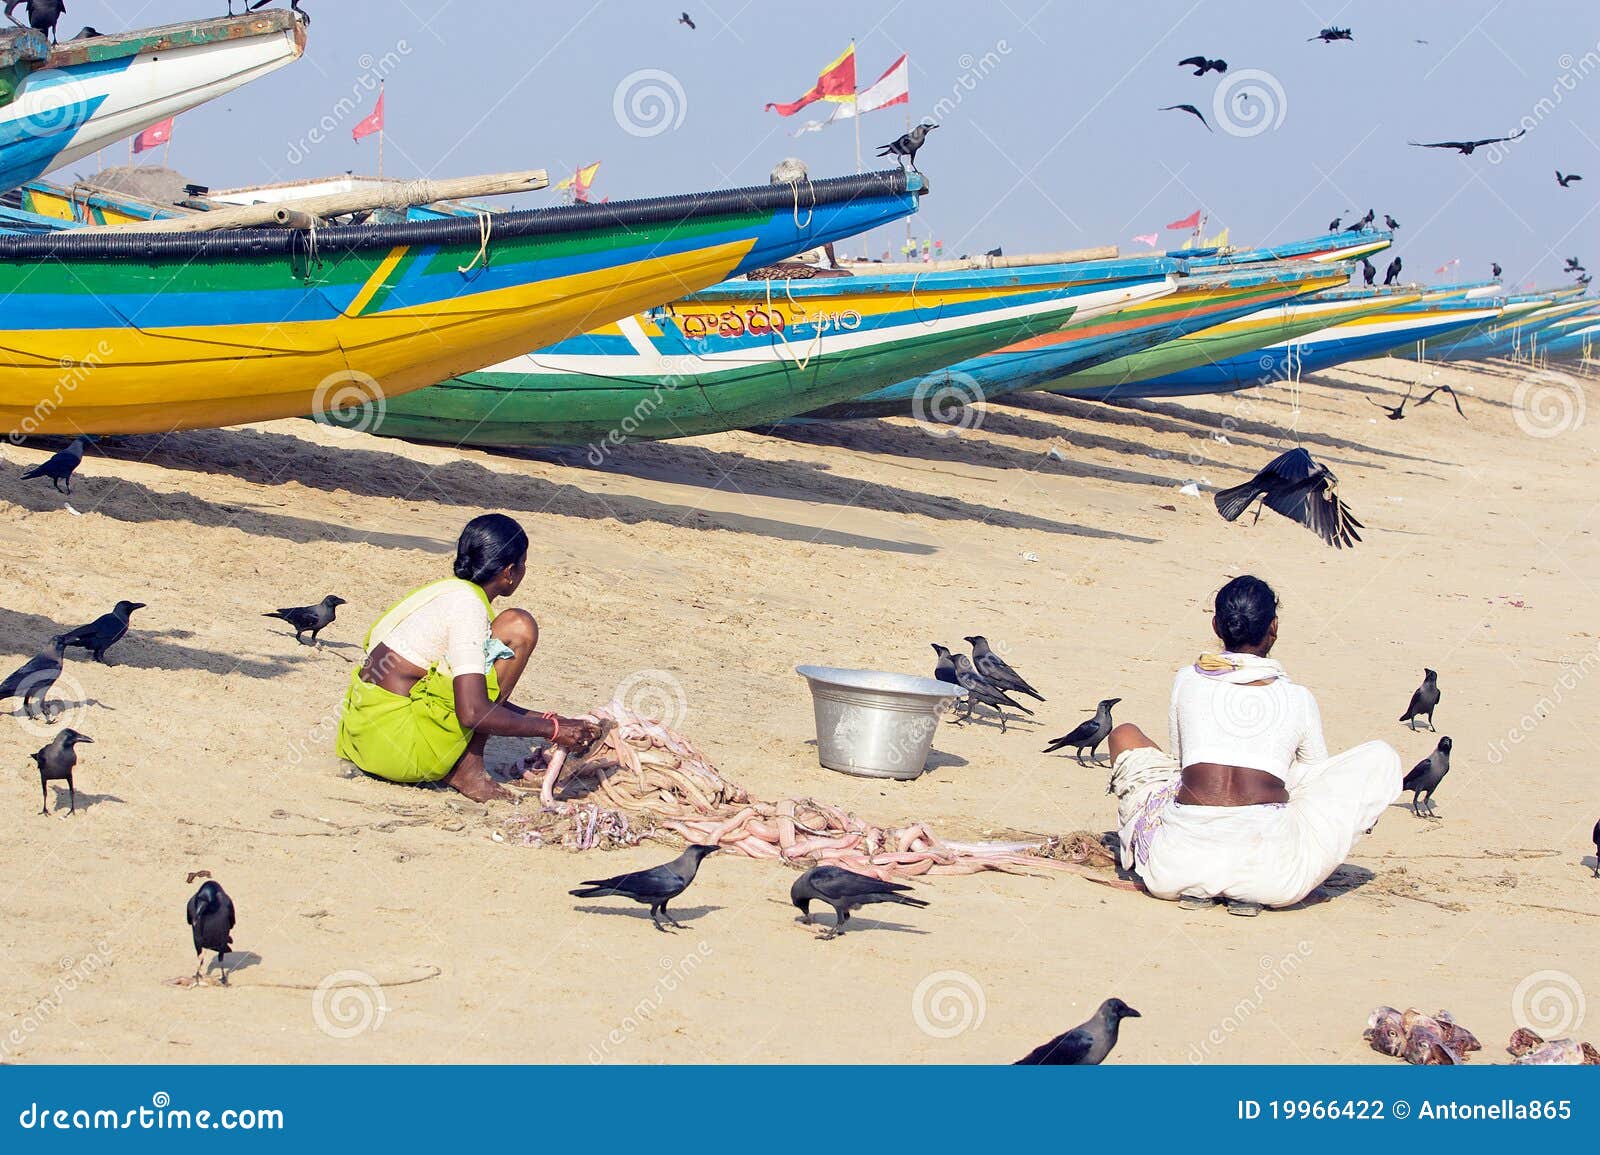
(844, 890)
(1565, 181)
(1086, 1045)
(995, 669)
(1189, 108)
(654, 887)
(908, 144)
(1392, 273)
(1468, 147)
(43, 15)
(55, 765)
(60, 467)
(1301, 489)
(1425, 777)
(1369, 271)
(32, 681)
(309, 619)
(104, 632)
(1202, 65)
(210, 916)
(980, 689)
(1424, 699)
(1398, 412)
(1087, 735)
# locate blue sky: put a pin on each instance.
(1049, 134)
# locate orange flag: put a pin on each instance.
(372, 124)
(837, 83)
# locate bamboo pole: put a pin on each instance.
(393, 195)
(1026, 260)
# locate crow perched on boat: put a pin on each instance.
(1398, 412)
(1468, 147)
(1424, 699)
(997, 251)
(654, 887)
(1202, 65)
(683, 18)
(1301, 489)
(1369, 271)
(43, 15)
(1333, 225)
(1565, 181)
(32, 681)
(1329, 35)
(1189, 108)
(309, 619)
(1390, 223)
(980, 689)
(104, 632)
(1425, 777)
(252, 5)
(210, 916)
(844, 890)
(1087, 735)
(60, 467)
(1392, 273)
(908, 144)
(996, 670)
(55, 763)
(1086, 1045)
(1428, 396)
(1494, 269)
(1362, 224)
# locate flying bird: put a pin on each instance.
(55, 765)
(1424, 699)
(996, 670)
(1390, 223)
(1086, 1045)
(1425, 777)
(1329, 35)
(43, 15)
(908, 144)
(1468, 147)
(104, 632)
(980, 689)
(683, 18)
(211, 918)
(1398, 412)
(1202, 65)
(1189, 108)
(1087, 735)
(654, 887)
(1392, 273)
(844, 890)
(60, 467)
(1429, 395)
(1300, 489)
(1574, 266)
(32, 681)
(1566, 181)
(1369, 271)
(309, 619)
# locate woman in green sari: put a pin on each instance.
(440, 669)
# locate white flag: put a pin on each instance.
(893, 87)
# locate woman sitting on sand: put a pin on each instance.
(1248, 807)
(439, 674)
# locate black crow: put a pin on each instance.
(908, 144)
(1369, 271)
(1202, 65)
(33, 679)
(43, 15)
(55, 764)
(104, 632)
(309, 619)
(1428, 396)
(1087, 735)
(1189, 108)
(1086, 1045)
(1329, 35)
(87, 32)
(683, 18)
(1494, 269)
(945, 670)
(252, 5)
(1301, 489)
(1425, 777)
(1333, 225)
(210, 916)
(60, 467)
(1390, 223)
(844, 890)
(997, 251)
(1566, 180)
(1362, 224)
(1467, 147)
(654, 887)
(1398, 412)
(995, 669)
(1392, 273)
(1596, 839)
(980, 689)
(1424, 699)
(1574, 266)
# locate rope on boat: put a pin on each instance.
(485, 231)
(811, 210)
(800, 363)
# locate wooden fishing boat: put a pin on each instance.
(131, 331)
(1200, 301)
(1328, 248)
(747, 353)
(61, 103)
(1512, 334)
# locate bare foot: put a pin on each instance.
(470, 778)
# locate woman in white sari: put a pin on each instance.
(1247, 807)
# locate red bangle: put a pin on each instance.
(555, 724)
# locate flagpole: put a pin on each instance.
(380, 132)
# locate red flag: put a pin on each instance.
(154, 137)
(1192, 221)
(837, 84)
(372, 124)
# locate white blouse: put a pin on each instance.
(452, 628)
(1266, 728)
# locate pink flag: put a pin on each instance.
(154, 137)
(370, 124)
(1448, 265)
(1150, 239)
(1192, 221)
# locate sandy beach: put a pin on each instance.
(697, 574)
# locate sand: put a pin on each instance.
(697, 575)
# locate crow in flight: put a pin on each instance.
(1202, 65)
(1398, 412)
(1565, 181)
(1428, 396)
(1300, 489)
(1467, 147)
(1329, 35)
(683, 18)
(1189, 108)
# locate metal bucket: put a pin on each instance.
(872, 724)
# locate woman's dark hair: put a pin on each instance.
(1245, 609)
(487, 546)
